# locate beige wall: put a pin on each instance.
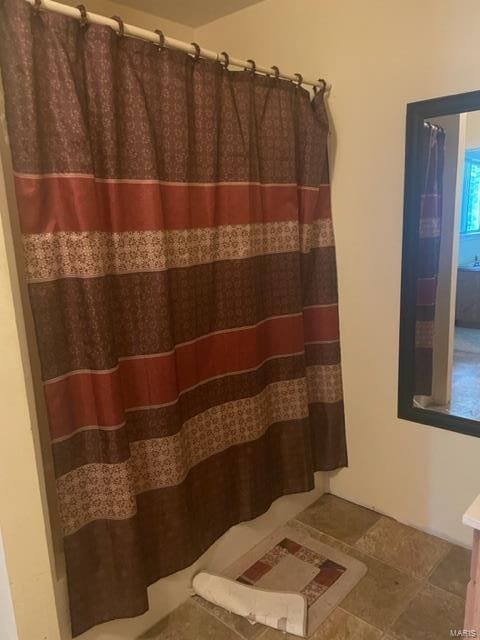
(137, 18)
(379, 56)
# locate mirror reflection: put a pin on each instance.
(447, 314)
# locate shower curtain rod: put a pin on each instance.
(158, 38)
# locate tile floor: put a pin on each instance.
(465, 401)
(414, 588)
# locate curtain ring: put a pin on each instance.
(300, 79)
(161, 38)
(323, 85)
(197, 50)
(277, 71)
(37, 6)
(226, 59)
(83, 15)
(121, 29)
(253, 66)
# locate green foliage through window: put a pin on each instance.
(470, 222)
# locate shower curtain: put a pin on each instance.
(181, 266)
(429, 235)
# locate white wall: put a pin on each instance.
(379, 56)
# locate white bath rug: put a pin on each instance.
(284, 570)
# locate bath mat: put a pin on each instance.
(291, 560)
(282, 610)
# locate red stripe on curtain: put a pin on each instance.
(430, 205)
(426, 291)
(321, 324)
(46, 204)
(83, 399)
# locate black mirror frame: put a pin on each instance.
(417, 112)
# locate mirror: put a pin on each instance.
(439, 381)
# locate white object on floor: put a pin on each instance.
(282, 610)
(472, 605)
(471, 517)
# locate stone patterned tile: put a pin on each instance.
(340, 625)
(339, 518)
(453, 572)
(405, 548)
(320, 536)
(231, 620)
(391, 602)
(382, 594)
(189, 622)
(465, 378)
(430, 616)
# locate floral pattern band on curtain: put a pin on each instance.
(429, 236)
(181, 264)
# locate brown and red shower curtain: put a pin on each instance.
(429, 237)
(181, 265)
